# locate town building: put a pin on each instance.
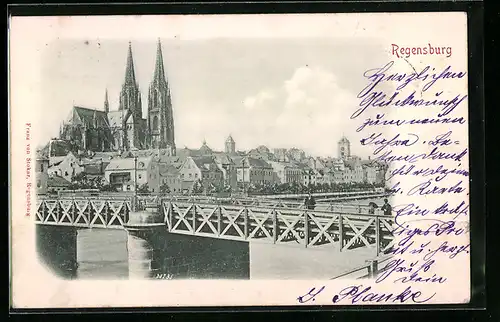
(170, 177)
(202, 170)
(344, 148)
(66, 167)
(56, 183)
(254, 171)
(280, 155)
(287, 172)
(127, 173)
(41, 172)
(296, 154)
(230, 145)
(228, 168)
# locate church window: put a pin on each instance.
(155, 122)
(41, 167)
(140, 176)
(66, 173)
(38, 184)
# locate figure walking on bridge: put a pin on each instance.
(310, 202)
(372, 208)
(387, 208)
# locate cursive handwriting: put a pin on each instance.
(453, 250)
(310, 296)
(382, 143)
(413, 209)
(435, 154)
(381, 121)
(436, 229)
(415, 268)
(439, 171)
(428, 188)
(379, 75)
(359, 294)
(379, 99)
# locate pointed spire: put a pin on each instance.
(159, 73)
(129, 71)
(106, 102)
(94, 118)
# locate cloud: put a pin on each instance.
(310, 110)
(258, 100)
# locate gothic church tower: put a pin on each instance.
(131, 106)
(160, 120)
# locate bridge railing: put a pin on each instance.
(270, 203)
(280, 225)
(309, 228)
(370, 269)
(322, 194)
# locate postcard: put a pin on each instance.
(239, 160)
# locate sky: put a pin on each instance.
(279, 93)
(283, 82)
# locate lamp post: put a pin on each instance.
(135, 183)
(244, 184)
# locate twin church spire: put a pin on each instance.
(157, 131)
(129, 71)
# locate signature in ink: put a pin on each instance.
(310, 296)
(358, 293)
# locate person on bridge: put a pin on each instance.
(310, 202)
(387, 208)
(372, 208)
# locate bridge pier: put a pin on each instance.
(144, 256)
(57, 248)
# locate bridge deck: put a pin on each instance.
(275, 224)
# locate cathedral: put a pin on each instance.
(125, 129)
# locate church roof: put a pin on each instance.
(205, 163)
(205, 149)
(115, 118)
(169, 169)
(223, 158)
(230, 139)
(344, 140)
(57, 181)
(174, 161)
(128, 164)
(55, 148)
(253, 162)
(87, 116)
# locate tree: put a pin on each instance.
(144, 188)
(164, 188)
(108, 187)
(197, 187)
(227, 188)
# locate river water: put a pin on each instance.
(102, 253)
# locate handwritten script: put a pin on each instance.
(413, 119)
